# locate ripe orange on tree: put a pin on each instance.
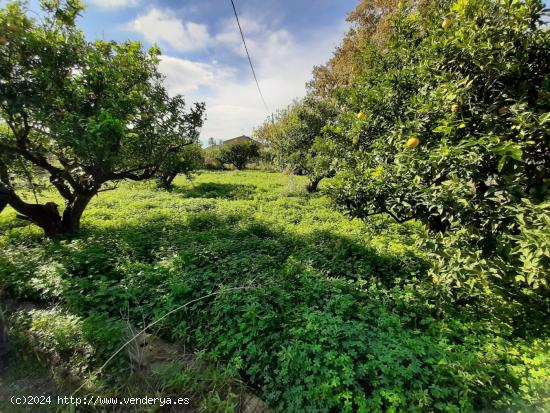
(412, 142)
(447, 23)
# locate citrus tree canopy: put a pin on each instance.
(84, 114)
(294, 137)
(239, 154)
(449, 124)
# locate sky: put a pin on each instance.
(203, 57)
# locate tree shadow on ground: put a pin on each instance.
(216, 190)
(307, 293)
(228, 248)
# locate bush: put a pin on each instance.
(239, 154)
(212, 158)
(186, 161)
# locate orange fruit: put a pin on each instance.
(447, 23)
(455, 108)
(3, 40)
(413, 142)
(361, 116)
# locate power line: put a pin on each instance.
(248, 55)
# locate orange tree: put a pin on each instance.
(448, 124)
(369, 20)
(187, 161)
(82, 114)
(295, 140)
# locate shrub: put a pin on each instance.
(212, 158)
(239, 154)
(187, 161)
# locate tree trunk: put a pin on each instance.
(47, 216)
(4, 197)
(165, 181)
(73, 213)
(312, 185)
(3, 341)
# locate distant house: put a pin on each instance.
(239, 139)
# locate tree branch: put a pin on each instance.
(22, 149)
(399, 221)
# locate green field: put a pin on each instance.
(334, 316)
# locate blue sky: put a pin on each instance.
(203, 57)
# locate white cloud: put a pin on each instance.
(230, 35)
(162, 27)
(283, 65)
(186, 77)
(113, 4)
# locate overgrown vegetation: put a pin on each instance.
(339, 315)
(415, 280)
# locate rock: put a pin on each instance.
(252, 404)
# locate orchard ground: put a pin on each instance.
(336, 316)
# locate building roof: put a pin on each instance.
(238, 139)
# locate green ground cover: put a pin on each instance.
(337, 314)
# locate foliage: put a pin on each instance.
(339, 316)
(295, 140)
(369, 20)
(531, 253)
(212, 158)
(469, 82)
(186, 161)
(239, 154)
(56, 337)
(84, 114)
(73, 348)
(267, 158)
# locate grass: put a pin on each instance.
(24, 378)
(338, 317)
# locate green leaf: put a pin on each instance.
(501, 163)
(544, 118)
